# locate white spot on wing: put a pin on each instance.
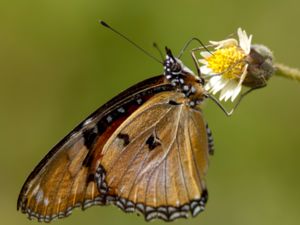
(121, 110)
(197, 210)
(139, 101)
(46, 201)
(35, 190)
(39, 196)
(88, 121)
(109, 119)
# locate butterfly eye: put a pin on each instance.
(200, 80)
(176, 67)
(172, 66)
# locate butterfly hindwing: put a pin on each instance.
(160, 168)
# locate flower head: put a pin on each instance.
(226, 66)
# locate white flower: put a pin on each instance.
(226, 67)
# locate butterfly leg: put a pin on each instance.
(186, 45)
(196, 63)
(243, 95)
(229, 113)
(219, 104)
(210, 140)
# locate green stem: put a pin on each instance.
(288, 72)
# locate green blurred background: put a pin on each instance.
(57, 65)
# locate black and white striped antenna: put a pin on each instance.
(129, 40)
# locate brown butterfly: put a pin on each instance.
(145, 150)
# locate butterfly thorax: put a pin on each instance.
(184, 80)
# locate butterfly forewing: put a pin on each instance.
(64, 179)
(160, 169)
(60, 185)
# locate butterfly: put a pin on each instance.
(146, 150)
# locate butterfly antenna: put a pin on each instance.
(194, 39)
(130, 41)
(159, 50)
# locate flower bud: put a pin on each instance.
(260, 66)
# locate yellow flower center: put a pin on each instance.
(227, 61)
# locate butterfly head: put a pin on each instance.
(184, 79)
(173, 67)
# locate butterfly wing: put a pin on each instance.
(60, 184)
(65, 178)
(156, 160)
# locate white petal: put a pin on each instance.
(244, 41)
(219, 85)
(232, 87)
(236, 92)
(240, 34)
(224, 93)
(205, 54)
(205, 70)
(228, 94)
(249, 45)
(203, 61)
(214, 42)
(228, 90)
(214, 80)
(224, 43)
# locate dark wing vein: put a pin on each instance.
(155, 187)
(138, 173)
(164, 159)
(193, 154)
(199, 132)
(129, 164)
(165, 184)
(182, 171)
(147, 186)
(58, 186)
(169, 148)
(135, 138)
